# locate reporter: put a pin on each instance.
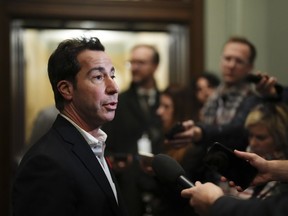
(214, 202)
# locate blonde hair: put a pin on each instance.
(274, 116)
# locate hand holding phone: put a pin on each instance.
(223, 160)
(177, 128)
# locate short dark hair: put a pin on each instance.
(63, 63)
(155, 57)
(243, 40)
(213, 80)
(179, 93)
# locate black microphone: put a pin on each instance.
(169, 170)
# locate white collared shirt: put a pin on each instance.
(97, 146)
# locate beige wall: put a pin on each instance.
(261, 21)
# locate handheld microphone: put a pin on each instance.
(169, 170)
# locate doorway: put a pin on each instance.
(33, 42)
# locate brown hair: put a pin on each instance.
(274, 116)
(243, 40)
(179, 95)
(155, 57)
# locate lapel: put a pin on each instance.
(119, 194)
(84, 153)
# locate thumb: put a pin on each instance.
(186, 193)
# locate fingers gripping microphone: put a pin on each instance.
(169, 170)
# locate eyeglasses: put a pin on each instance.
(139, 62)
(238, 61)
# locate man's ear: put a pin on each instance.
(65, 88)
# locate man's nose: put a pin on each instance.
(232, 63)
(111, 86)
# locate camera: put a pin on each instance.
(252, 78)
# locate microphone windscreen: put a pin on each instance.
(166, 168)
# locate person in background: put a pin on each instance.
(209, 199)
(203, 87)
(136, 128)
(225, 111)
(267, 125)
(65, 172)
(43, 122)
(172, 110)
(175, 107)
(206, 84)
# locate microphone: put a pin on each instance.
(169, 170)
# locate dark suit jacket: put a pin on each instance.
(131, 122)
(60, 175)
(272, 206)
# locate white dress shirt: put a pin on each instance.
(97, 145)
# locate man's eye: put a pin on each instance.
(240, 62)
(99, 77)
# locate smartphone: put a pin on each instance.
(221, 159)
(252, 78)
(177, 128)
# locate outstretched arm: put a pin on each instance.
(274, 170)
(202, 196)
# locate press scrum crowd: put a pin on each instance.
(95, 155)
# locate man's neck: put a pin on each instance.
(73, 116)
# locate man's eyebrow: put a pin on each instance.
(101, 69)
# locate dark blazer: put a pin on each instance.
(272, 206)
(131, 122)
(60, 175)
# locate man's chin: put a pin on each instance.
(109, 117)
